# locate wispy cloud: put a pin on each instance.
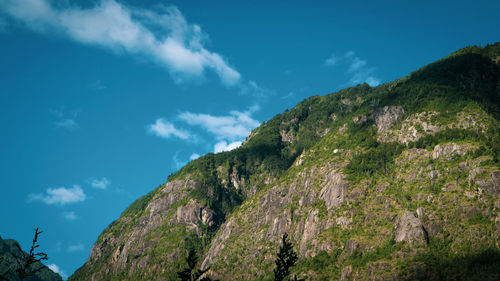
(253, 89)
(163, 35)
(65, 120)
(75, 247)
(102, 183)
(71, 216)
(59, 196)
(360, 72)
(331, 61)
(288, 96)
(231, 127)
(68, 124)
(229, 131)
(57, 270)
(178, 163)
(357, 68)
(164, 129)
(224, 146)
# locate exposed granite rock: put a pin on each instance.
(360, 119)
(236, 180)
(346, 273)
(420, 124)
(287, 136)
(351, 246)
(334, 190)
(279, 225)
(449, 149)
(125, 250)
(386, 116)
(408, 228)
(323, 133)
(313, 226)
(488, 180)
(193, 214)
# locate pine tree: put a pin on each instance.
(190, 273)
(285, 260)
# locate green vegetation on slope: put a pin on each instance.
(466, 82)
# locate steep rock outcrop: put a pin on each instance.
(409, 228)
(387, 116)
(425, 143)
(334, 190)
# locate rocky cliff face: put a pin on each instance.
(395, 182)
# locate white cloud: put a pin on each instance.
(288, 96)
(68, 124)
(254, 89)
(59, 196)
(228, 130)
(71, 216)
(165, 129)
(372, 81)
(331, 61)
(357, 68)
(224, 146)
(359, 71)
(235, 126)
(100, 183)
(178, 163)
(75, 248)
(57, 270)
(162, 35)
(356, 64)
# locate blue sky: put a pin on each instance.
(101, 100)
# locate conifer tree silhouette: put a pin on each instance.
(286, 258)
(28, 264)
(190, 273)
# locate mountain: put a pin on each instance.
(395, 182)
(9, 250)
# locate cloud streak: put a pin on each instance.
(228, 130)
(331, 61)
(71, 216)
(75, 248)
(164, 36)
(360, 72)
(102, 183)
(224, 146)
(231, 127)
(68, 124)
(59, 196)
(164, 129)
(356, 67)
(57, 270)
